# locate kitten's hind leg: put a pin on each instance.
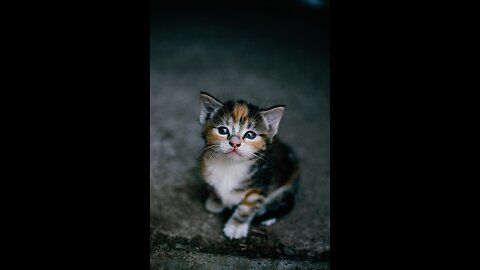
(213, 204)
(275, 209)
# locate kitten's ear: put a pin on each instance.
(272, 118)
(208, 106)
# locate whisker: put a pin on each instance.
(259, 156)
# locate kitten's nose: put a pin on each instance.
(234, 142)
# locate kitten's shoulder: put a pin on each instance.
(281, 150)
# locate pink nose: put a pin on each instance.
(235, 142)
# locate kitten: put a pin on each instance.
(245, 165)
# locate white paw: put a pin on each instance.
(236, 231)
(269, 222)
(213, 206)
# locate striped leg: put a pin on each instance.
(238, 224)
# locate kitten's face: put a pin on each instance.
(237, 130)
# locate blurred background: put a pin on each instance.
(265, 52)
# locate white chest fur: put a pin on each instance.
(225, 176)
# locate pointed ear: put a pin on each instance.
(208, 106)
(272, 118)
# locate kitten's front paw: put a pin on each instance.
(213, 206)
(236, 231)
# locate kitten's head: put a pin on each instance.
(237, 130)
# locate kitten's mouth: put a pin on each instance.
(234, 153)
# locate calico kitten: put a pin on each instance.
(245, 165)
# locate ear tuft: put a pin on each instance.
(272, 118)
(208, 106)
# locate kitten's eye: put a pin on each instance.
(223, 130)
(250, 135)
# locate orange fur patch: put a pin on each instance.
(239, 111)
(248, 201)
(257, 144)
(212, 137)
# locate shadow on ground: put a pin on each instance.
(266, 60)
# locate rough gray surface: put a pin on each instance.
(179, 259)
(264, 61)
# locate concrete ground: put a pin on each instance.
(266, 60)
